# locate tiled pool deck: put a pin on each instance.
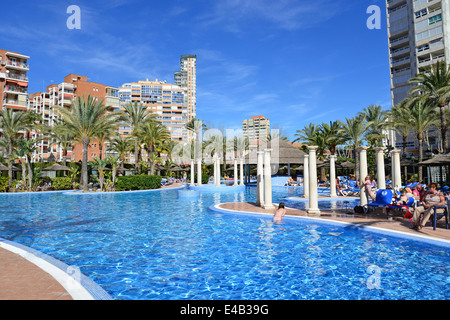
(21, 279)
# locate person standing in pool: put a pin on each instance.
(280, 213)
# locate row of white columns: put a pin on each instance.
(216, 169)
(310, 174)
(264, 180)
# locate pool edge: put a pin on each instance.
(82, 288)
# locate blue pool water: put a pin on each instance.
(152, 245)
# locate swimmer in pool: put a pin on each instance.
(281, 211)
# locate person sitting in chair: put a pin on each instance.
(432, 199)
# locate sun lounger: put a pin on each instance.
(382, 199)
(407, 206)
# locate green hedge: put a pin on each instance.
(4, 184)
(62, 183)
(205, 178)
(138, 182)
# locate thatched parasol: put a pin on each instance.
(285, 153)
(347, 165)
(57, 167)
(438, 160)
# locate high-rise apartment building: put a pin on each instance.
(13, 80)
(167, 101)
(174, 104)
(419, 36)
(256, 129)
(187, 79)
(62, 95)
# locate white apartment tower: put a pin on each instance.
(419, 36)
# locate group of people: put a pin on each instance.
(427, 201)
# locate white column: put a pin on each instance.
(381, 175)
(217, 179)
(398, 169)
(333, 176)
(393, 168)
(192, 172)
(313, 196)
(260, 179)
(362, 174)
(267, 181)
(242, 172)
(235, 177)
(306, 176)
(199, 172)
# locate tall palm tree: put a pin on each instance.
(86, 119)
(376, 122)
(136, 115)
(11, 122)
(422, 116)
(434, 87)
(353, 130)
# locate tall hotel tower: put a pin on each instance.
(419, 36)
(187, 79)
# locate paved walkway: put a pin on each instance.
(22, 280)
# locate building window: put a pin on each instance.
(435, 19)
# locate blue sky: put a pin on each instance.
(294, 62)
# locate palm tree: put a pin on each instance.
(434, 87)
(121, 145)
(376, 122)
(353, 130)
(422, 116)
(86, 119)
(11, 122)
(154, 133)
(114, 162)
(25, 149)
(63, 138)
(196, 126)
(136, 116)
(100, 165)
(332, 136)
(399, 120)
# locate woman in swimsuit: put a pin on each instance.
(281, 212)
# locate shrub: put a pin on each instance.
(205, 178)
(62, 183)
(4, 184)
(138, 182)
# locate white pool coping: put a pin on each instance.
(78, 286)
(389, 232)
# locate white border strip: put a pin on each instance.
(73, 287)
(402, 234)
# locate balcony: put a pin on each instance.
(18, 77)
(18, 65)
(13, 104)
(399, 41)
(16, 89)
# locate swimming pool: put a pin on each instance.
(152, 245)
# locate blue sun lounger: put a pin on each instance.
(382, 199)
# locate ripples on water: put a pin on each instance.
(152, 245)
